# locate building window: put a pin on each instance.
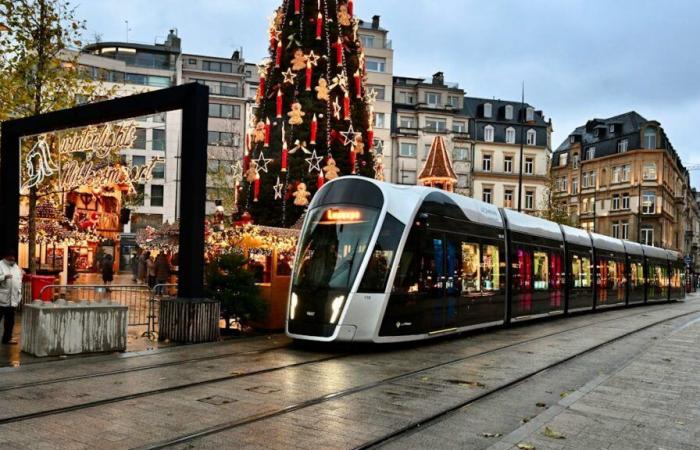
(529, 114)
(621, 174)
(611, 128)
(459, 127)
(158, 141)
(563, 159)
(375, 64)
(219, 138)
(616, 230)
(140, 194)
(215, 66)
(590, 153)
(462, 181)
(379, 120)
(488, 109)
(624, 230)
(453, 101)
(486, 163)
(159, 171)
(486, 195)
(574, 185)
(379, 89)
(576, 160)
(622, 146)
(460, 154)
(137, 160)
(407, 98)
(224, 111)
(529, 167)
(509, 112)
(488, 133)
(649, 202)
(508, 198)
(367, 41)
(649, 171)
(615, 202)
(508, 164)
(156, 195)
(192, 61)
(408, 149)
(221, 88)
(435, 125)
(140, 141)
(510, 135)
(647, 232)
(407, 122)
(529, 199)
(531, 137)
(433, 98)
(426, 151)
(650, 138)
(625, 201)
(572, 139)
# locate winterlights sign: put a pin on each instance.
(84, 159)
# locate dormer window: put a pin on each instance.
(611, 128)
(530, 114)
(590, 153)
(563, 159)
(572, 139)
(488, 133)
(510, 135)
(509, 112)
(487, 110)
(531, 137)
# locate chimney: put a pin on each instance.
(375, 22)
(439, 79)
(172, 42)
(236, 55)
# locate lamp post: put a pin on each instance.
(522, 137)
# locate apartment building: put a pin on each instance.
(423, 110)
(621, 176)
(226, 78)
(504, 134)
(379, 61)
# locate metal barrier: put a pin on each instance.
(159, 292)
(136, 297)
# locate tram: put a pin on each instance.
(378, 262)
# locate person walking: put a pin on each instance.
(135, 262)
(151, 271)
(162, 269)
(107, 270)
(10, 294)
(143, 267)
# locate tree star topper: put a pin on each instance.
(314, 162)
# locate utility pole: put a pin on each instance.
(522, 138)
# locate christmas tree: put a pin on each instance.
(313, 117)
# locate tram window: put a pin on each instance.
(420, 269)
(470, 268)
(636, 274)
(581, 271)
(523, 270)
(382, 257)
(541, 271)
(490, 268)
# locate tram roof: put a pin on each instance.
(633, 248)
(602, 242)
(577, 236)
(537, 226)
(655, 252)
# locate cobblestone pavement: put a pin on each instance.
(638, 392)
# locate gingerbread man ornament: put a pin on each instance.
(301, 196)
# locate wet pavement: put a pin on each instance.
(620, 379)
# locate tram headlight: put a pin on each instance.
(335, 307)
(293, 306)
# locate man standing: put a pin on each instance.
(10, 294)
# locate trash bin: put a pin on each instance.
(38, 282)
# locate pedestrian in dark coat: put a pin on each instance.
(108, 269)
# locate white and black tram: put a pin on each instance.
(379, 262)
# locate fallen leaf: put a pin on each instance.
(491, 435)
(553, 434)
(424, 378)
(541, 405)
(564, 394)
(474, 384)
(526, 446)
(526, 419)
(667, 359)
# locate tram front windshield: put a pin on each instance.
(334, 243)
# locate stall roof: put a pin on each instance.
(577, 236)
(523, 223)
(655, 252)
(608, 243)
(633, 248)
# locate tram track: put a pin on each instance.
(226, 426)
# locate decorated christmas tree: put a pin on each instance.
(313, 120)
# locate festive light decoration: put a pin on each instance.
(318, 40)
(262, 162)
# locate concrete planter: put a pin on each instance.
(53, 329)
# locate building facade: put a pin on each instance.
(501, 131)
(379, 62)
(621, 177)
(423, 111)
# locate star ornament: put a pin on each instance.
(278, 189)
(339, 81)
(371, 96)
(262, 162)
(349, 136)
(314, 162)
(378, 146)
(312, 58)
(336, 109)
(289, 76)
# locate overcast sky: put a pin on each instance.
(579, 59)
